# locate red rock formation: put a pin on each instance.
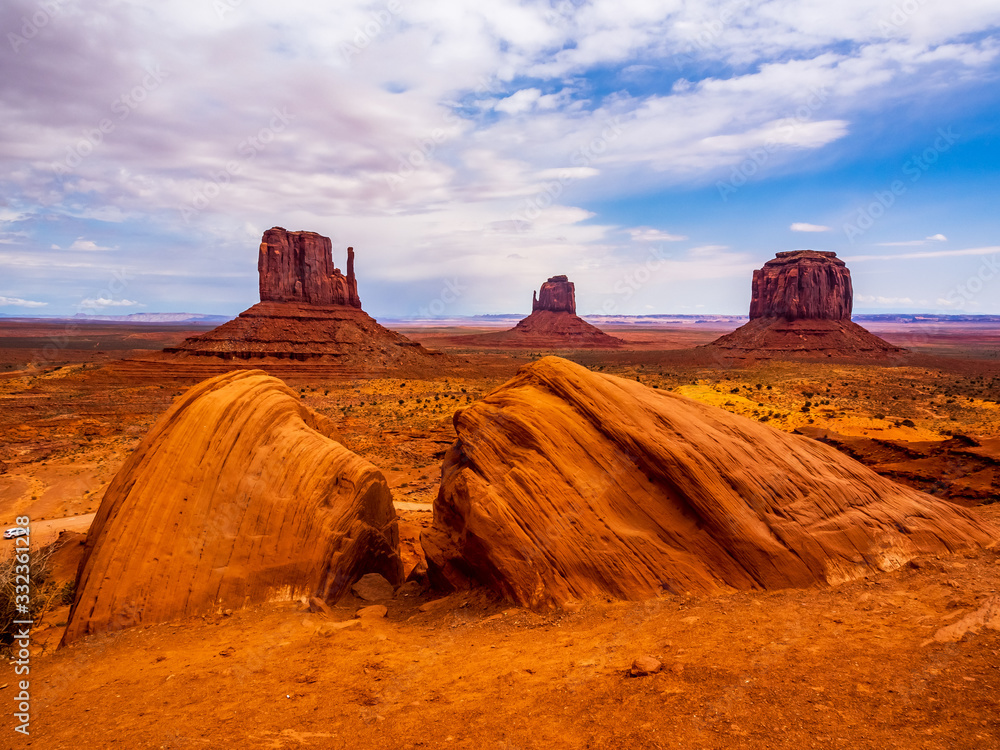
(558, 294)
(309, 312)
(553, 324)
(803, 284)
(298, 267)
(239, 494)
(565, 484)
(801, 307)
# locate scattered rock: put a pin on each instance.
(329, 628)
(987, 616)
(645, 665)
(318, 606)
(372, 612)
(373, 588)
(437, 604)
(410, 589)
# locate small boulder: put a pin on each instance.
(373, 588)
(645, 665)
(372, 612)
(318, 606)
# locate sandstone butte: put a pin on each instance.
(565, 484)
(239, 494)
(801, 303)
(308, 312)
(553, 324)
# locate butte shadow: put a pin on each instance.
(553, 324)
(801, 309)
(565, 484)
(239, 494)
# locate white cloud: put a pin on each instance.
(914, 243)
(17, 302)
(107, 302)
(86, 245)
(648, 234)
(801, 226)
(990, 250)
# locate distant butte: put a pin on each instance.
(801, 307)
(309, 312)
(553, 324)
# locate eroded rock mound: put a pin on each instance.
(239, 494)
(564, 484)
(801, 306)
(553, 324)
(309, 313)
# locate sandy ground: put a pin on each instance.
(853, 666)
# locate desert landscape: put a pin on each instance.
(522, 375)
(455, 629)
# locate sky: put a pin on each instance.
(655, 151)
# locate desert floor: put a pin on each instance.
(853, 666)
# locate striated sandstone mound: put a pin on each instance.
(801, 306)
(239, 494)
(564, 484)
(309, 312)
(553, 324)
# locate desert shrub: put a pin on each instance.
(908, 423)
(43, 593)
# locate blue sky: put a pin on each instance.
(656, 152)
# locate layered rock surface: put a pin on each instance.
(801, 306)
(804, 284)
(238, 494)
(298, 267)
(309, 312)
(553, 324)
(558, 294)
(565, 484)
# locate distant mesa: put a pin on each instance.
(553, 324)
(565, 484)
(309, 312)
(239, 494)
(801, 307)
